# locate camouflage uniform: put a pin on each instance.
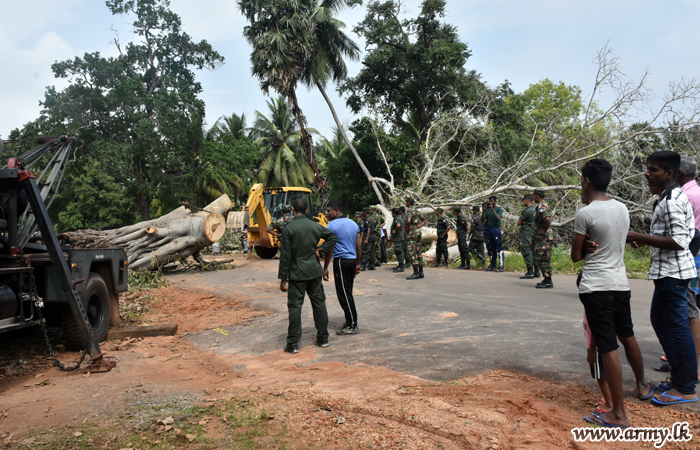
(378, 220)
(406, 255)
(277, 225)
(476, 242)
(369, 257)
(543, 242)
(415, 247)
(441, 245)
(398, 239)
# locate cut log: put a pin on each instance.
(166, 329)
(154, 243)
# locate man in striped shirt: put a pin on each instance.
(672, 267)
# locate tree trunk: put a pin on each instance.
(154, 243)
(352, 147)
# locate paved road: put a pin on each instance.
(451, 324)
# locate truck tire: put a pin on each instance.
(265, 252)
(96, 303)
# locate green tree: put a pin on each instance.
(283, 160)
(142, 106)
(413, 65)
(233, 125)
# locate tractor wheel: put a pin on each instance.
(96, 303)
(265, 252)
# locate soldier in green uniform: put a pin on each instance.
(277, 225)
(378, 223)
(527, 247)
(543, 240)
(397, 238)
(301, 273)
(462, 229)
(476, 237)
(369, 256)
(406, 256)
(443, 227)
(415, 247)
(360, 223)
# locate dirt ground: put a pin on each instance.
(166, 393)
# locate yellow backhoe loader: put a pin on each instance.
(265, 205)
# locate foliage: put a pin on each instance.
(140, 280)
(412, 65)
(283, 161)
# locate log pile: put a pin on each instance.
(153, 243)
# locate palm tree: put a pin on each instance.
(330, 149)
(233, 125)
(284, 163)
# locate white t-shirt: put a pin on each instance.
(607, 222)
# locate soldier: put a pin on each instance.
(397, 238)
(527, 247)
(476, 237)
(492, 216)
(277, 225)
(299, 266)
(406, 256)
(462, 229)
(378, 224)
(543, 240)
(415, 247)
(368, 254)
(443, 227)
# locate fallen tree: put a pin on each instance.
(154, 243)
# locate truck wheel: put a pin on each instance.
(96, 303)
(265, 252)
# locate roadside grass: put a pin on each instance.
(637, 262)
(237, 424)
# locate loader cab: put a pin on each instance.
(277, 199)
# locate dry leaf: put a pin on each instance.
(166, 421)
(77, 434)
(168, 428)
(191, 437)
(341, 419)
(177, 432)
(29, 441)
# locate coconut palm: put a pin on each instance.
(233, 125)
(330, 149)
(284, 162)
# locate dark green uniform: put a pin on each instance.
(462, 229)
(406, 255)
(527, 244)
(415, 246)
(441, 248)
(476, 241)
(300, 266)
(369, 256)
(397, 238)
(543, 242)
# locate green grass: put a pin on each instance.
(636, 261)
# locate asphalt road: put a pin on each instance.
(451, 324)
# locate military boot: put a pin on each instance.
(546, 283)
(415, 275)
(537, 272)
(437, 264)
(420, 271)
(370, 267)
(529, 275)
(468, 265)
(398, 269)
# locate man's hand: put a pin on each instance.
(326, 277)
(365, 242)
(589, 246)
(318, 253)
(358, 269)
(591, 356)
(632, 237)
(283, 285)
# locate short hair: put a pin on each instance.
(475, 208)
(599, 172)
(402, 209)
(336, 205)
(529, 197)
(667, 160)
(688, 166)
(395, 211)
(493, 197)
(410, 201)
(300, 205)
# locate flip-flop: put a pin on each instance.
(603, 422)
(665, 367)
(677, 400)
(651, 392)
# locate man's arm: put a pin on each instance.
(577, 251)
(326, 263)
(662, 242)
(330, 239)
(495, 213)
(446, 230)
(285, 260)
(546, 221)
(358, 249)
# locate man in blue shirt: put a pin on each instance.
(346, 262)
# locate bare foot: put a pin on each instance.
(644, 389)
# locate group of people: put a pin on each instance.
(601, 232)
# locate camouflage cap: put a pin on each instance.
(539, 192)
(358, 213)
(457, 209)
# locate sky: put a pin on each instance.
(522, 41)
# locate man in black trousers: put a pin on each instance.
(346, 262)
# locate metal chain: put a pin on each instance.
(56, 362)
